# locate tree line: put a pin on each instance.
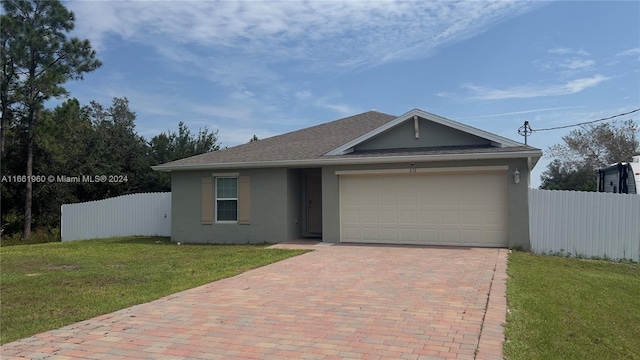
(41, 146)
(586, 149)
(91, 140)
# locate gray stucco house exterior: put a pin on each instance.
(417, 178)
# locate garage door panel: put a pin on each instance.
(370, 199)
(475, 201)
(449, 198)
(491, 234)
(388, 199)
(408, 217)
(447, 209)
(448, 217)
(407, 199)
(370, 217)
(450, 236)
(351, 216)
(428, 235)
(351, 233)
(409, 235)
(370, 233)
(472, 236)
(389, 235)
(429, 217)
(388, 217)
(471, 217)
(494, 218)
(427, 197)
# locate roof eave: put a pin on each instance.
(351, 161)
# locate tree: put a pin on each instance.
(44, 59)
(254, 138)
(9, 77)
(117, 150)
(587, 149)
(559, 176)
(7, 100)
(173, 145)
(62, 147)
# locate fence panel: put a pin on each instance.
(585, 224)
(136, 214)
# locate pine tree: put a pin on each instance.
(44, 58)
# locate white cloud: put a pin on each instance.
(567, 51)
(531, 91)
(330, 101)
(237, 113)
(345, 34)
(578, 85)
(567, 62)
(233, 135)
(342, 109)
(578, 64)
(522, 112)
(303, 95)
(242, 95)
(445, 94)
(157, 104)
(630, 52)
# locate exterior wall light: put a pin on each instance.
(516, 176)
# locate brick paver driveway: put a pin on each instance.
(360, 302)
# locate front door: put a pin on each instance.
(314, 203)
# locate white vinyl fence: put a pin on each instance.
(585, 224)
(128, 215)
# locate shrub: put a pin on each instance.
(39, 236)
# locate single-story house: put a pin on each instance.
(417, 178)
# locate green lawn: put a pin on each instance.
(47, 286)
(562, 308)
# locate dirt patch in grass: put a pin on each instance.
(64, 267)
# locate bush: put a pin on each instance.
(39, 236)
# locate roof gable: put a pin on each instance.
(430, 134)
(433, 131)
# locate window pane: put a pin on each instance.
(227, 188)
(227, 210)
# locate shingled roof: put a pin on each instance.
(312, 145)
(309, 143)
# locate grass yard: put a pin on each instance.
(562, 308)
(47, 286)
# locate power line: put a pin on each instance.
(584, 123)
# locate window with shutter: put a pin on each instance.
(226, 199)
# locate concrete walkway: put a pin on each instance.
(339, 302)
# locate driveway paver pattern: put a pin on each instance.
(339, 302)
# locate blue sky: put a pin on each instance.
(267, 68)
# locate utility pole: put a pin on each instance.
(525, 130)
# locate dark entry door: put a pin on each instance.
(314, 203)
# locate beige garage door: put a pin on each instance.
(464, 209)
